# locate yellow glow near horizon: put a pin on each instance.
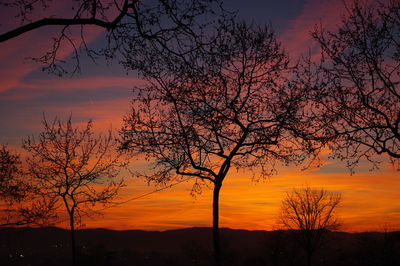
(369, 202)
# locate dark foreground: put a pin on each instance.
(192, 246)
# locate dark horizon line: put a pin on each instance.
(181, 229)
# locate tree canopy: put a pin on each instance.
(227, 104)
(357, 92)
(125, 22)
(309, 213)
(74, 168)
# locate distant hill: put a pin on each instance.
(191, 246)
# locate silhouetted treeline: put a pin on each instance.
(191, 246)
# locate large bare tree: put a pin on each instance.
(124, 22)
(74, 168)
(224, 105)
(310, 214)
(357, 92)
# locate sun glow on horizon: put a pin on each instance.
(367, 204)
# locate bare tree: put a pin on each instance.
(74, 168)
(125, 22)
(310, 213)
(224, 105)
(10, 168)
(20, 205)
(357, 91)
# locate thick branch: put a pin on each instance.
(65, 22)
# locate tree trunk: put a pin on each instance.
(216, 239)
(71, 224)
(309, 254)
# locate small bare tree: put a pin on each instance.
(310, 213)
(19, 203)
(74, 168)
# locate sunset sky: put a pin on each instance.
(371, 199)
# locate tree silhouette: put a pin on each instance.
(224, 105)
(20, 205)
(310, 213)
(10, 168)
(74, 168)
(357, 91)
(125, 22)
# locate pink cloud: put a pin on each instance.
(297, 38)
(13, 58)
(13, 53)
(39, 88)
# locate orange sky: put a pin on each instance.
(370, 199)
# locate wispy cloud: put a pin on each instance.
(297, 38)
